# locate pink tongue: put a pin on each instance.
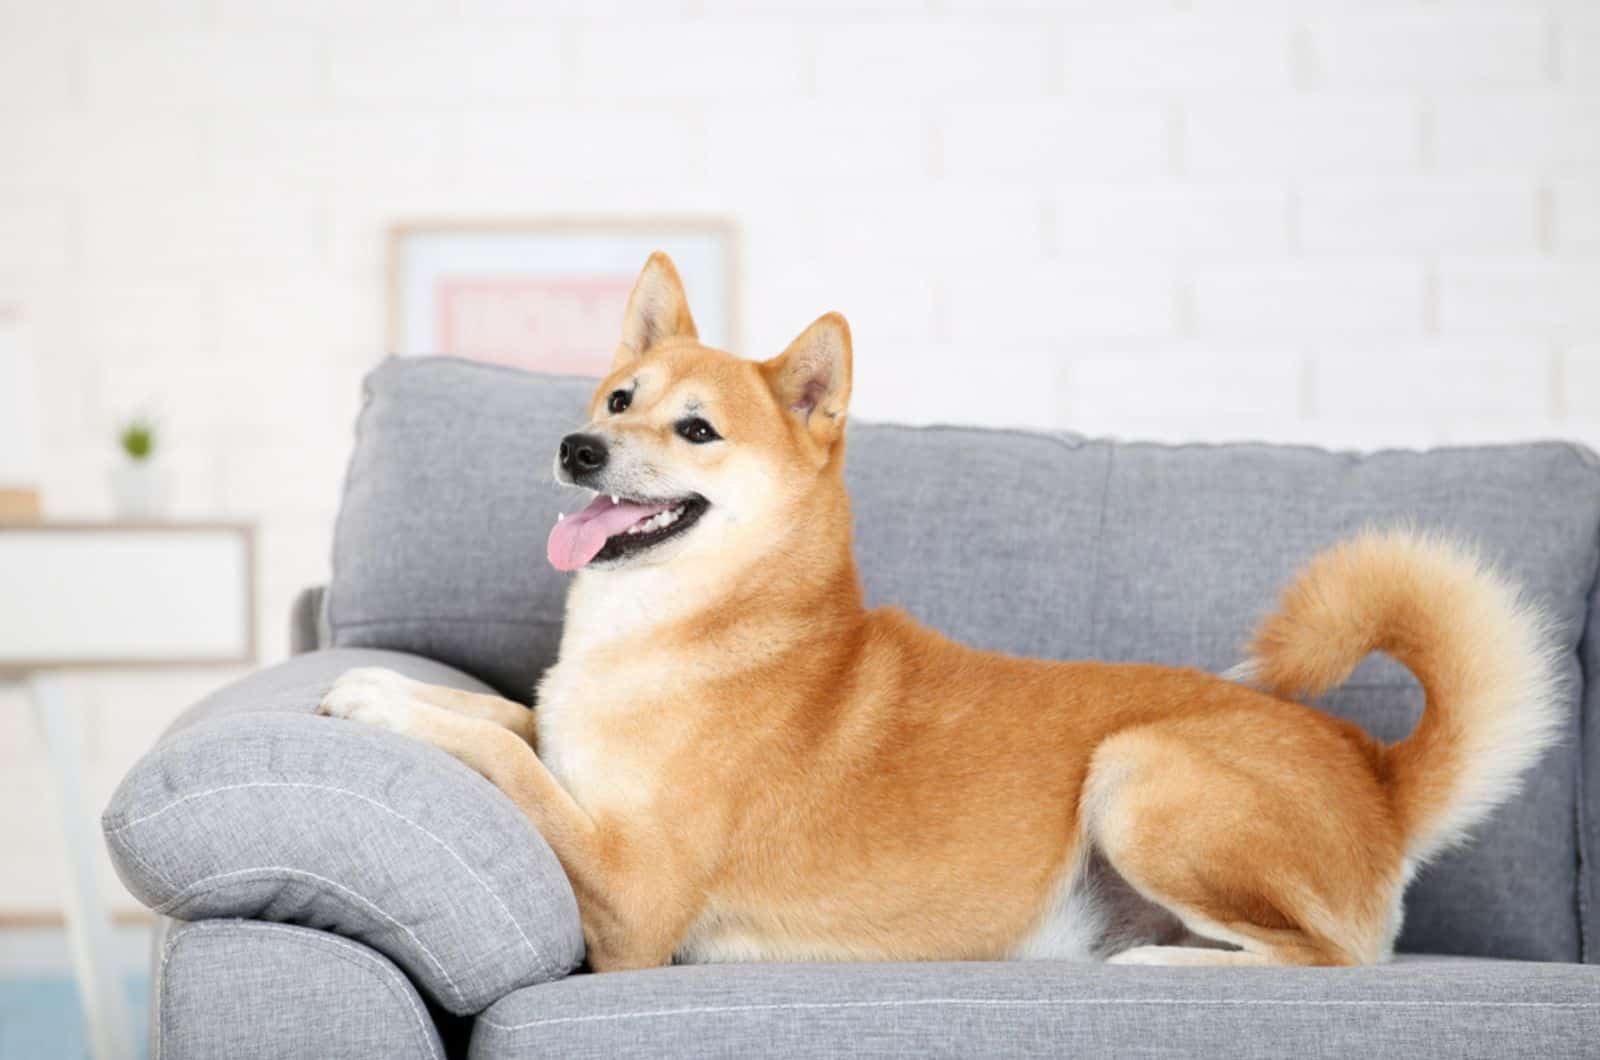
(576, 539)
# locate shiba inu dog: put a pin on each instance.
(736, 760)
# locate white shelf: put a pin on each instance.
(81, 595)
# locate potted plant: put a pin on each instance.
(138, 482)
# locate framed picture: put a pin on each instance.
(549, 295)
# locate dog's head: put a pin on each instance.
(691, 451)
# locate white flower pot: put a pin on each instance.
(140, 489)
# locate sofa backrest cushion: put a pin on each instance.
(1090, 549)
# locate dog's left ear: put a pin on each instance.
(811, 378)
(657, 310)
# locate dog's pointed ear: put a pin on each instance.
(811, 378)
(657, 310)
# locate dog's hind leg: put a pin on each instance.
(1239, 846)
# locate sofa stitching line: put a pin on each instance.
(390, 978)
(113, 836)
(539, 956)
(268, 871)
(1099, 556)
(350, 472)
(1019, 1002)
(161, 994)
(447, 619)
(1581, 823)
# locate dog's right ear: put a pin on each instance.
(657, 310)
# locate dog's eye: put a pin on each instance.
(619, 401)
(697, 430)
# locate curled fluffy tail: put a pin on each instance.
(1481, 653)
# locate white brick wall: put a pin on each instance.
(935, 59)
(433, 66)
(1421, 50)
(1055, 139)
(1354, 222)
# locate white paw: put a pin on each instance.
(372, 696)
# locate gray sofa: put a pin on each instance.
(335, 891)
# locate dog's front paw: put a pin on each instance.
(372, 696)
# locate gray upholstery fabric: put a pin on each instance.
(245, 990)
(251, 807)
(1046, 545)
(305, 621)
(1438, 1007)
(1589, 805)
(440, 544)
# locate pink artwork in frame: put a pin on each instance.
(548, 296)
(561, 324)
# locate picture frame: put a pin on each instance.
(549, 294)
(21, 425)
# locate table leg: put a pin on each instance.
(88, 925)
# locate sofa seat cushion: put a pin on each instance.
(251, 807)
(1415, 1007)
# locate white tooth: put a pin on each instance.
(614, 499)
(560, 516)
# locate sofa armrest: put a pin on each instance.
(247, 990)
(249, 806)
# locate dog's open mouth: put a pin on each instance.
(612, 527)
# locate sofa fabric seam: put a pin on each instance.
(368, 623)
(115, 837)
(1033, 1002)
(1581, 822)
(286, 874)
(330, 598)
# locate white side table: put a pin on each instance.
(76, 596)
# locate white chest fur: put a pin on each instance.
(596, 696)
(579, 715)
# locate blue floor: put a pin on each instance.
(40, 1018)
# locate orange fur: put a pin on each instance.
(738, 760)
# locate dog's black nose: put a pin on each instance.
(582, 454)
